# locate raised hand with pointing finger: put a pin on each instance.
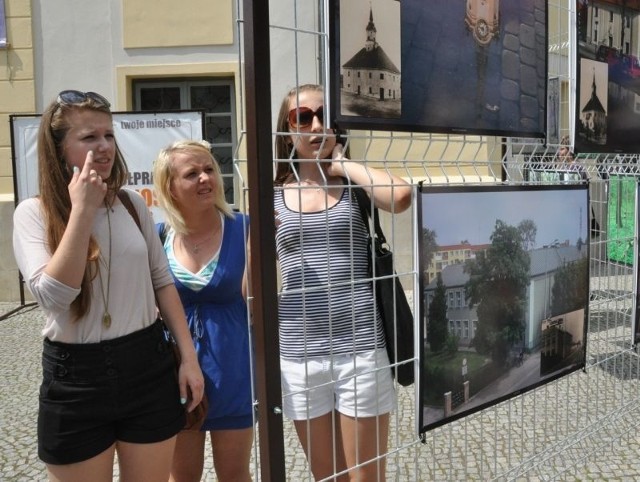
(87, 188)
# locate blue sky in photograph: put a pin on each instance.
(455, 216)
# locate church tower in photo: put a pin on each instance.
(370, 72)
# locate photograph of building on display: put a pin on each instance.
(475, 67)
(506, 290)
(608, 70)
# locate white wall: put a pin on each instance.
(78, 45)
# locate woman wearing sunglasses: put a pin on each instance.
(337, 385)
(109, 382)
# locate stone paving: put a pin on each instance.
(582, 427)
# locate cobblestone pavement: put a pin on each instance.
(585, 427)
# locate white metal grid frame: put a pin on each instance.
(582, 425)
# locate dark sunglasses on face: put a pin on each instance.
(70, 97)
(303, 117)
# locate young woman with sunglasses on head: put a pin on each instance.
(109, 382)
(336, 379)
(205, 243)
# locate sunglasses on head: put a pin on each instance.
(303, 116)
(70, 97)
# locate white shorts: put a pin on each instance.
(355, 385)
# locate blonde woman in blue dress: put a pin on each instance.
(205, 243)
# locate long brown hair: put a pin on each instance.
(284, 152)
(54, 176)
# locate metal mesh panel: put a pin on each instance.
(582, 425)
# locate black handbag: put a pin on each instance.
(397, 318)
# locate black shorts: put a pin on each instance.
(94, 394)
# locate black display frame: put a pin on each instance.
(636, 273)
(606, 116)
(508, 100)
(467, 205)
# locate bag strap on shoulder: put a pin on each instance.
(364, 203)
(128, 204)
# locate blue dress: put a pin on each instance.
(217, 316)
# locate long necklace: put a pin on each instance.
(106, 317)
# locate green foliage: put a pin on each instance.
(451, 345)
(570, 287)
(437, 322)
(443, 372)
(528, 231)
(621, 219)
(497, 285)
(429, 246)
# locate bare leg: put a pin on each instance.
(188, 456)
(364, 439)
(98, 469)
(145, 462)
(232, 454)
(322, 445)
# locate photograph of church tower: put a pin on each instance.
(607, 116)
(592, 125)
(370, 78)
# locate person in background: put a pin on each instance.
(205, 244)
(337, 384)
(564, 154)
(569, 168)
(109, 378)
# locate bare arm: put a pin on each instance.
(389, 192)
(246, 279)
(190, 375)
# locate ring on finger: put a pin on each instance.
(93, 173)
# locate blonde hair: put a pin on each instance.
(163, 172)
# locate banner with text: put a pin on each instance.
(139, 135)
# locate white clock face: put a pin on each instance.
(482, 30)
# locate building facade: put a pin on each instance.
(143, 55)
(452, 254)
(150, 55)
(462, 316)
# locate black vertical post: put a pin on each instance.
(257, 67)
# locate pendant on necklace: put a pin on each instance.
(106, 319)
